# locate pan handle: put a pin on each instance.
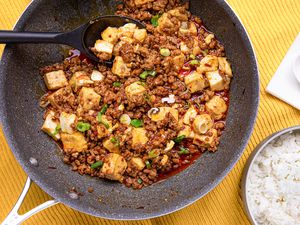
(14, 218)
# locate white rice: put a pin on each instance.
(273, 186)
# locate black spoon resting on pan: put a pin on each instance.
(82, 38)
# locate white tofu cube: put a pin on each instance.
(88, 98)
(104, 46)
(50, 126)
(162, 113)
(55, 80)
(195, 82)
(66, 122)
(97, 76)
(137, 163)
(189, 115)
(110, 35)
(179, 61)
(224, 66)
(74, 142)
(110, 146)
(114, 166)
(184, 48)
(202, 123)
(208, 64)
(209, 38)
(127, 30)
(139, 136)
(208, 140)
(180, 13)
(215, 80)
(142, 2)
(188, 29)
(120, 68)
(217, 106)
(80, 79)
(187, 132)
(140, 34)
(134, 89)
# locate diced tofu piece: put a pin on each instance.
(184, 48)
(66, 122)
(180, 13)
(169, 146)
(208, 140)
(188, 29)
(217, 106)
(137, 163)
(189, 115)
(187, 132)
(110, 146)
(139, 136)
(117, 47)
(114, 166)
(215, 80)
(120, 68)
(142, 2)
(209, 38)
(224, 66)
(127, 30)
(97, 76)
(179, 61)
(88, 98)
(74, 142)
(164, 160)
(110, 35)
(101, 129)
(195, 82)
(104, 46)
(134, 89)
(55, 80)
(208, 64)
(202, 123)
(63, 93)
(196, 47)
(50, 126)
(140, 34)
(164, 22)
(80, 79)
(162, 113)
(126, 40)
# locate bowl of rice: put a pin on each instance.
(271, 180)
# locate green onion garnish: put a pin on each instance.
(136, 123)
(192, 56)
(152, 73)
(153, 154)
(99, 118)
(154, 20)
(140, 181)
(115, 141)
(104, 109)
(117, 84)
(97, 164)
(183, 151)
(148, 164)
(82, 127)
(194, 62)
(146, 73)
(165, 52)
(179, 139)
(57, 128)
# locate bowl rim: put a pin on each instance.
(246, 171)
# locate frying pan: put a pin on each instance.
(21, 86)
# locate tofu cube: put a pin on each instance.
(142, 2)
(224, 66)
(114, 167)
(104, 46)
(178, 61)
(189, 115)
(50, 126)
(162, 113)
(55, 80)
(215, 80)
(110, 146)
(208, 140)
(195, 82)
(80, 79)
(187, 132)
(101, 129)
(139, 136)
(164, 160)
(127, 30)
(88, 98)
(169, 146)
(137, 163)
(63, 93)
(66, 122)
(202, 123)
(209, 38)
(97, 76)
(217, 106)
(134, 89)
(188, 29)
(140, 35)
(180, 13)
(184, 48)
(208, 64)
(120, 68)
(74, 142)
(110, 35)
(164, 22)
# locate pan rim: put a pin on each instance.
(188, 201)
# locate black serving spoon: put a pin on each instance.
(82, 38)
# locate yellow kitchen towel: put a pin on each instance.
(272, 25)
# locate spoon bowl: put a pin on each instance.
(81, 38)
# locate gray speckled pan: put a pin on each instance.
(21, 87)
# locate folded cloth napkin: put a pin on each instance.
(284, 85)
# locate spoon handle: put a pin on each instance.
(8, 37)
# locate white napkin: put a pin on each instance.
(284, 85)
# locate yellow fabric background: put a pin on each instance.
(273, 26)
